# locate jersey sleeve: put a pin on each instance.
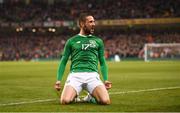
(103, 65)
(63, 61)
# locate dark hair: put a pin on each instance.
(82, 18)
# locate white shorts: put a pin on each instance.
(84, 80)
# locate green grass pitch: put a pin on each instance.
(137, 86)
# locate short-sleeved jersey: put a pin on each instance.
(85, 52)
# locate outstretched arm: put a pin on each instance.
(104, 69)
(103, 65)
(62, 65)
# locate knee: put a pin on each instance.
(105, 101)
(65, 101)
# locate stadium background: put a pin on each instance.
(33, 29)
(36, 30)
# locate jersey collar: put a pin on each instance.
(84, 35)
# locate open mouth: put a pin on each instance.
(92, 29)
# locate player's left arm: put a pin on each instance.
(103, 66)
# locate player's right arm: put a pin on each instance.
(62, 65)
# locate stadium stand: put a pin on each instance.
(36, 47)
(28, 46)
(18, 11)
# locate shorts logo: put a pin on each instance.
(97, 78)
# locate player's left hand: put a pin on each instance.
(108, 84)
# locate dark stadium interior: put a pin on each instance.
(39, 10)
(27, 43)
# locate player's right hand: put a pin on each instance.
(57, 85)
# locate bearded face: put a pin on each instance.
(89, 25)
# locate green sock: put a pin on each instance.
(93, 100)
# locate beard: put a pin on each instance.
(88, 31)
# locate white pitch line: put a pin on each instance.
(111, 93)
(30, 102)
(144, 90)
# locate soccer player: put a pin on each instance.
(85, 50)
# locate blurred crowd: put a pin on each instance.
(51, 47)
(125, 45)
(30, 47)
(132, 45)
(102, 9)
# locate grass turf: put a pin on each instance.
(32, 81)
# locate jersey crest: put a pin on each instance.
(92, 43)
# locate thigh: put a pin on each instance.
(68, 94)
(93, 81)
(75, 82)
(101, 94)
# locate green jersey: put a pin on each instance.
(84, 52)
